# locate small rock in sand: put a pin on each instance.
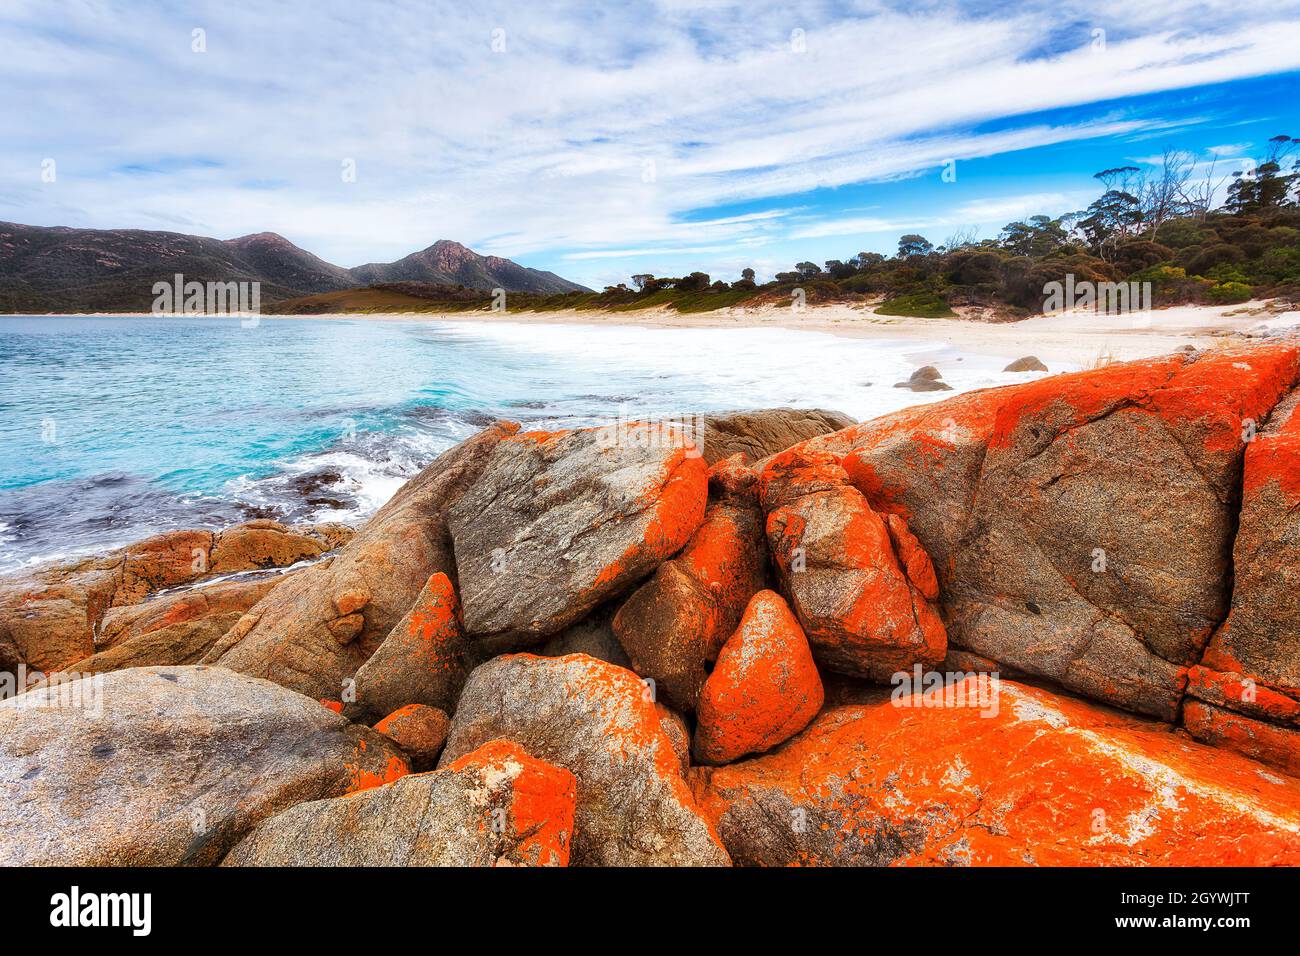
(1029, 363)
(927, 378)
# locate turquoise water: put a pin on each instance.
(112, 428)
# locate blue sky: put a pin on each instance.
(601, 140)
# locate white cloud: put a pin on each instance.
(1004, 209)
(1229, 149)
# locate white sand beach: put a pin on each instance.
(1072, 339)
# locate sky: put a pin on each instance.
(599, 140)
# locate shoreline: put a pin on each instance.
(1072, 338)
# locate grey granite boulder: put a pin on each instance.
(167, 766)
(560, 522)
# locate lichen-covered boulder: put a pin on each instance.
(764, 689)
(1048, 509)
(419, 731)
(597, 721)
(495, 806)
(560, 522)
(1066, 570)
(1007, 777)
(836, 559)
(421, 661)
(1248, 688)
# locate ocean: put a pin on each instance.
(114, 428)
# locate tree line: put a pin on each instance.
(1158, 223)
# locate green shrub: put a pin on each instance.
(1228, 293)
(918, 305)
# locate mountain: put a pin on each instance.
(282, 262)
(449, 263)
(60, 269)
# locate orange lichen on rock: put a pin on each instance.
(1247, 691)
(1270, 743)
(368, 769)
(723, 560)
(421, 661)
(1212, 396)
(552, 530)
(496, 806)
(765, 688)
(677, 621)
(600, 722)
(674, 506)
(999, 487)
(539, 818)
(435, 618)
(1083, 396)
(861, 613)
(1261, 637)
(1244, 692)
(419, 730)
(912, 557)
(1273, 455)
(1020, 777)
(1222, 392)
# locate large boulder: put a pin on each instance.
(314, 632)
(167, 766)
(1004, 775)
(765, 688)
(495, 806)
(422, 661)
(1067, 570)
(175, 628)
(1048, 509)
(760, 434)
(1251, 666)
(676, 622)
(560, 522)
(597, 721)
(836, 559)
